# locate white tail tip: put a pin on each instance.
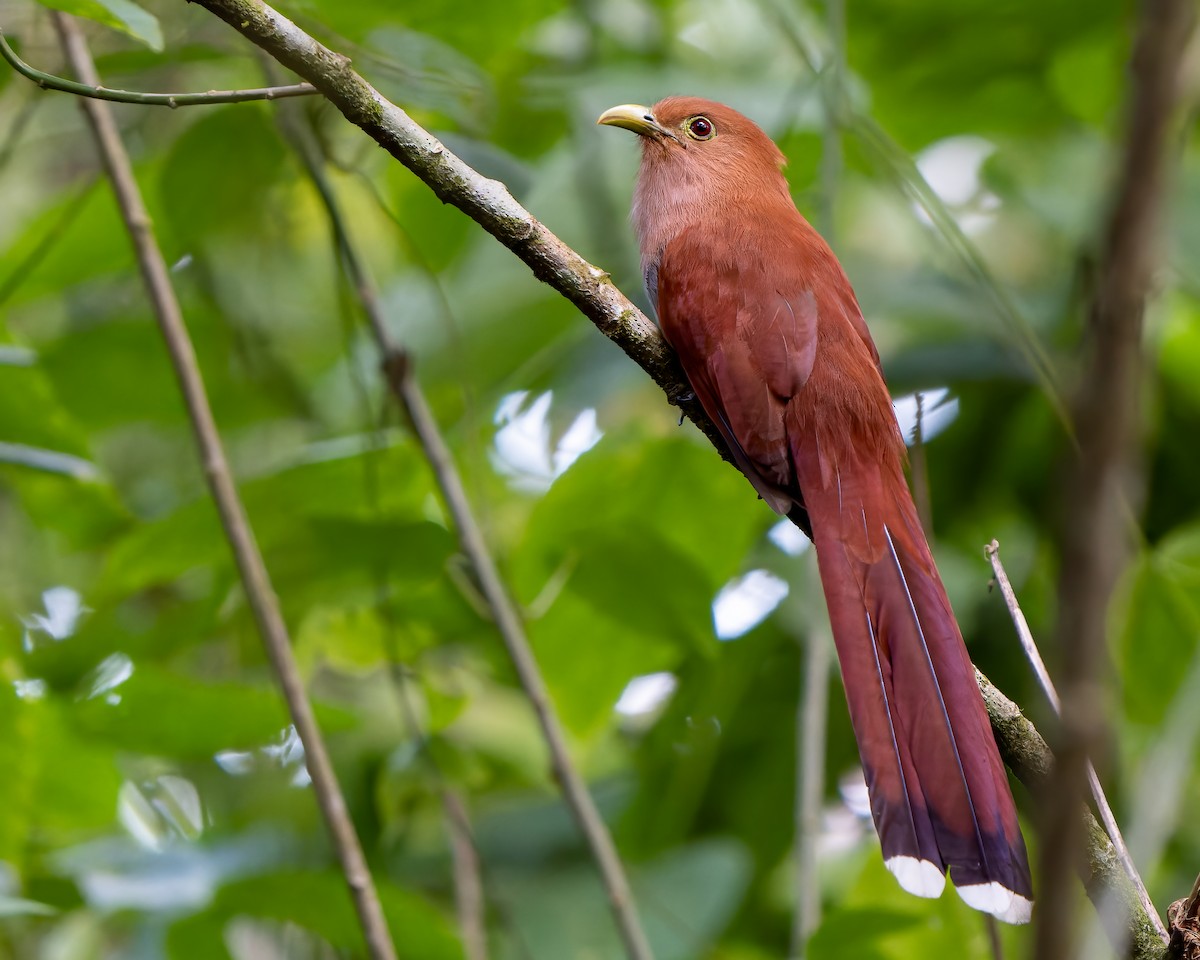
(999, 901)
(922, 878)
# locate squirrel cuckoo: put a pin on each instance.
(774, 344)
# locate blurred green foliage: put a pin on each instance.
(152, 793)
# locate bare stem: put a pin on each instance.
(48, 81)
(811, 729)
(1096, 523)
(398, 371)
(48, 461)
(468, 883)
(1107, 819)
(833, 105)
(255, 579)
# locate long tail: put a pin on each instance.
(939, 793)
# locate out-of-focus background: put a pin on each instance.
(154, 799)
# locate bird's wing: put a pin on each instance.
(747, 343)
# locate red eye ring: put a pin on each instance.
(700, 128)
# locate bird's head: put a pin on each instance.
(681, 133)
(700, 160)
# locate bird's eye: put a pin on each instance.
(700, 128)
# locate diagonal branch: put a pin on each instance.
(48, 81)
(255, 579)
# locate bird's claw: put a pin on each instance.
(680, 400)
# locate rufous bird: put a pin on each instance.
(773, 342)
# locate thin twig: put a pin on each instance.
(255, 579)
(1026, 754)
(48, 81)
(1024, 635)
(48, 461)
(992, 927)
(469, 900)
(1097, 517)
(468, 886)
(398, 372)
(1107, 819)
(574, 789)
(470, 871)
(900, 163)
(811, 732)
(512, 631)
(833, 101)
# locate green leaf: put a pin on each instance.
(166, 714)
(906, 927)
(344, 638)
(633, 604)
(1087, 74)
(311, 520)
(59, 786)
(855, 932)
(207, 190)
(662, 487)
(123, 15)
(320, 903)
(685, 898)
(1158, 624)
(18, 907)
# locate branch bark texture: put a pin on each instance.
(1101, 485)
(255, 579)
